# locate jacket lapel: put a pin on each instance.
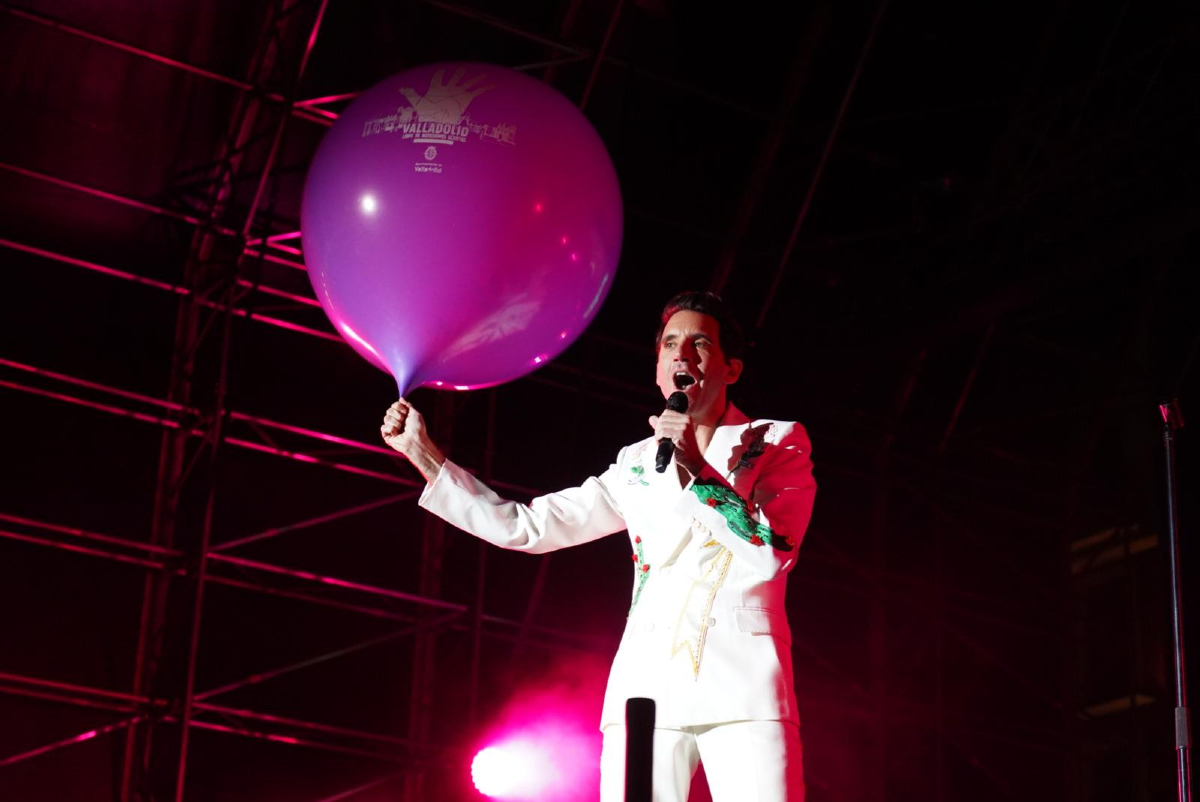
(728, 442)
(723, 453)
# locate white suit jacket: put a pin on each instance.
(707, 636)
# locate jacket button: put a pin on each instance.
(712, 622)
(648, 626)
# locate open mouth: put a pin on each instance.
(683, 379)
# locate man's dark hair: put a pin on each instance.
(732, 341)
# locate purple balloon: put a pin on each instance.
(461, 225)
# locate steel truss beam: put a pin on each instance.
(169, 560)
(834, 129)
(558, 640)
(281, 729)
(310, 110)
(165, 61)
(828, 553)
(627, 393)
(115, 549)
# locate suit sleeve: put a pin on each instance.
(547, 523)
(764, 531)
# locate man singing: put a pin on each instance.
(714, 537)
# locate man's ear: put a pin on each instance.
(735, 371)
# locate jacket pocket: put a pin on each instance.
(760, 621)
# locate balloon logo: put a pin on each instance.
(461, 225)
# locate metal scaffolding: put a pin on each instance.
(181, 559)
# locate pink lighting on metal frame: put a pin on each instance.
(237, 416)
(82, 690)
(173, 288)
(62, 377)
(303, 300)
(333, 604)
(137, 51)
(233, 441)
(277, 322)
(112, 196)
(315, 435)
(97, 268)
(321, 101)
(342, 513)
(84, 736)
(304, 110)
(252, 715)
(335, 582)
(83, 533)
(30, 693)
(288, 739)
(273, 238)
(41, 541)
(292, 249)
(311, 460)
(353, 793)
(273, 259)
(125, 413)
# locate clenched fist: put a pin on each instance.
(678, 427)
(404, 430)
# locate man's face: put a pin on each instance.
(690, 349)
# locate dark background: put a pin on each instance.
(962, 237)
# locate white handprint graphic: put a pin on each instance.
(446, 101)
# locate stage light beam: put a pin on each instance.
(510, 771)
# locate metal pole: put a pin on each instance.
(834, 130)
(760, 174)
(1172, 422)
(202, 555)
(598, 59)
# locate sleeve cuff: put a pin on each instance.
(432, 487)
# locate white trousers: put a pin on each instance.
(744, 761)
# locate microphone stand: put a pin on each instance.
(1173, 422)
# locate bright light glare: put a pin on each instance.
(510, 772)
(547, 751)
(369, 204)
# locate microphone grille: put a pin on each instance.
(677, 402)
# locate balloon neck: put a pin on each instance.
(406, 380)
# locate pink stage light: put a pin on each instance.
(544, 745)
(547, 763)
(516, 770)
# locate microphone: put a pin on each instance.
(677, 402)
(639, 748)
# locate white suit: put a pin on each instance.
(707, 636)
